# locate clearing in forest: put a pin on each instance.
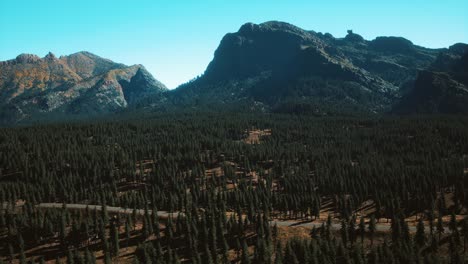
(254, 135)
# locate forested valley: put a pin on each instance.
(236, 188)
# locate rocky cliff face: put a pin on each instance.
(275, 63)
(442, 88)
(78, 84)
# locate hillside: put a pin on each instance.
(277, 66)
(81, 84)
(443, 88)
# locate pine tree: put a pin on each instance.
(290, 255)
(238, 247)
(372, 228)
(208, 256)
(453, 222)
(434, 247)
(362, 230)
(22, 256)
(328, 227)
(107, 258)
(104, 214)
(245, 259)
(70, 257)
(430, 219)
(352, 230)
(11, 251)
(420, 236)
(102, 235)
(89, 257)
(373, 257)
(440, 227)
(127, 233)
(396, 230)
(275, 232)
(344, 232)
(464, 231)
(114, 240)
(279, 253)
(262, 252)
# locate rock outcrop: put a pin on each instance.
(443, 88)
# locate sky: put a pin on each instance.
(175, 39)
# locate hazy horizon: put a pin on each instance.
(176, 40)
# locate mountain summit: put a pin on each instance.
(79, 84)
(280, 67)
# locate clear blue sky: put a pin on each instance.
(176, 39)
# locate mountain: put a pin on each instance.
(275, 66)
(81, 84)
(442, 88)
(268, 67)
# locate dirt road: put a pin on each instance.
(380, 227)
(110, 209)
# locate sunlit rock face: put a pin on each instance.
(79, 84)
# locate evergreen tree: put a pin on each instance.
(245, 259)
(352, 230)
(372, 228)
(114, 240)
(107, 258)
(420, 236)
(464, 231)
(279, 253)
(70, 257)
(362, 230)
(290, 255)
(344, 232)
(440, 227)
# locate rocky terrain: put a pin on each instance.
(275, 66)
(442, 88)
(81, 84)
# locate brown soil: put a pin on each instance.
(255, 135)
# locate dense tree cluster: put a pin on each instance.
(229, 191)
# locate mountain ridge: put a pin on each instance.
(80, 83)
(274, 62)
(442, 88)
(268, 67)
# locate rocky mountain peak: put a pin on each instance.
(50, 56)
(248, 28)
(392, 44)
(143, 76)
(27, 58)
(459, 48)
(353, 37)
(78, 84)
(257, 48)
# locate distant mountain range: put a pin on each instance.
(270, 67)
